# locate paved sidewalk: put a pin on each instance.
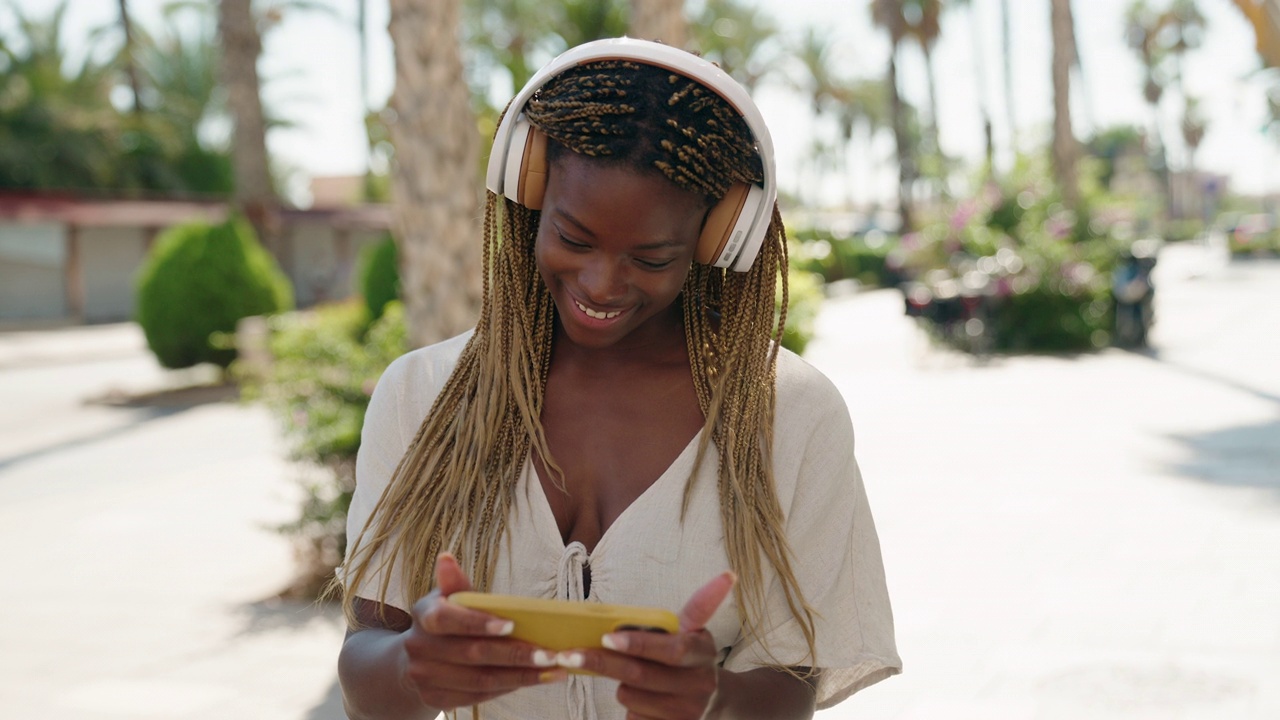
(1064, 537)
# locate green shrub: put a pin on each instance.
(862, 258)
(325, 365)
(199, 280)
(379, 275)
(805, 295)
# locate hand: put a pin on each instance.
(664, 677)
(456, 656)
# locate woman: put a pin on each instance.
(620, 427)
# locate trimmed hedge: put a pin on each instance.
(379, 275)
(200, 280)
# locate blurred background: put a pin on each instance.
(1034, 243)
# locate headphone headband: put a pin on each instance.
(677, 61)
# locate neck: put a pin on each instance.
(657, 344)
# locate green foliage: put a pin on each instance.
(60, 130)
(325, 365)
(379, 275)
(54, 125)
(804, 302)
(863, 258)
(1014, 271)
(200, 280)
(1110, 144)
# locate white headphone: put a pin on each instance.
(735, 227)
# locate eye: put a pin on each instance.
(654, 264)
(571, 243)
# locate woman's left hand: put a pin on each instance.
(664, 677)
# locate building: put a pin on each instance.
(69, 259)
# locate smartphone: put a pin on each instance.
(564, 624)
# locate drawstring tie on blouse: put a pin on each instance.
(570, 585)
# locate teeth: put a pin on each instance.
(598, 315)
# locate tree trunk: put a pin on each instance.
(1006, 45)
(984, 110)
(661, 20)
(435, 186)
(1064, 141)
(254, 193)
(932, 128)
(130, 66)
(906, 158)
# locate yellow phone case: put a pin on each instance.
(563, 624)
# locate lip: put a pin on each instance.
(581, 316)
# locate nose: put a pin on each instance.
(603, 281)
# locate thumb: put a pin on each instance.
(705, 601)
(449, 576)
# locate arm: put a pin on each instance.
(438, 657)
(371, 667)
(763, 693)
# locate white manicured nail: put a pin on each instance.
(569, 659)
(614, 642)
(542, 658)
(499, 627)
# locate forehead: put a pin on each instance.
(619, 200)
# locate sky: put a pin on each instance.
(311, 66)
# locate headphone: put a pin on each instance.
(735, 227)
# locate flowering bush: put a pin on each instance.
(1014, 270)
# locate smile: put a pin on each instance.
(597, 315)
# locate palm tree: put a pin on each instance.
(254, 193)
(738, 38)
(661, 20)
(862, 104)
(1006, 56)
(579, 21)
(813, 50)
(923, 20)
(178, 72)
(1186, 25)
(1065, 150)
(436, 175)
(58, 128)
(887, 14)
(980, 73)
(131, 67)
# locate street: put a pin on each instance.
(1064, 537)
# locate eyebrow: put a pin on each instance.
(661, 244)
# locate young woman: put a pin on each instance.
(620, 427)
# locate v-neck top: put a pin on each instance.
(648, 556)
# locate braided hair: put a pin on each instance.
(454, 487)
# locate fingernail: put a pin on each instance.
(551, 676)
(569, 659)
(614, 641)
(499, 627)
(542, 658)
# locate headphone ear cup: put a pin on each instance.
(723, 232)
(525, 176)
(533, 170)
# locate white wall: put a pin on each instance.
(31, 277)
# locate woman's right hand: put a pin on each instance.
(458, 657)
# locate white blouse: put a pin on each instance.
(649, 557)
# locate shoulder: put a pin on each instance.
(805, 396)
(813, 443)
(410, 384)
(427, 365)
